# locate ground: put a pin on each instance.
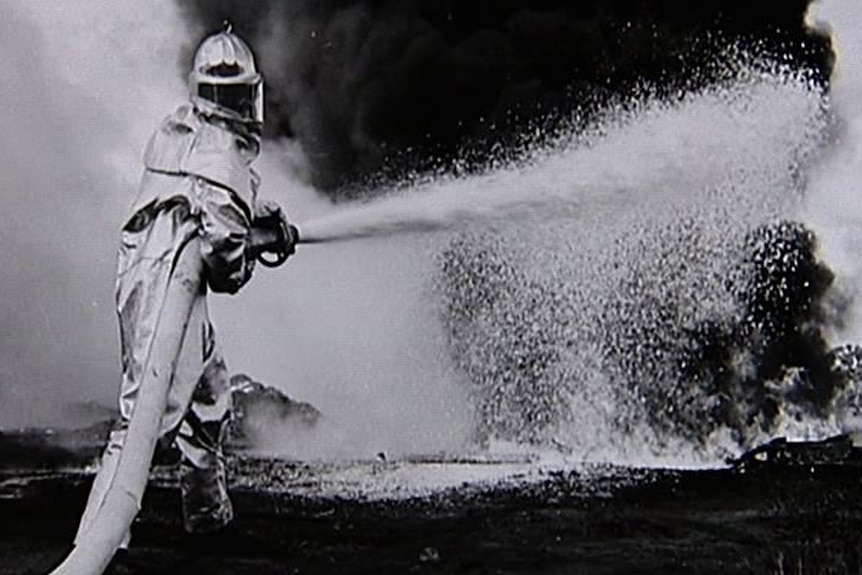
(363, 517)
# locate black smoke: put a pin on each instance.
(375, 88)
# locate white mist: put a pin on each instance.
(84, 84)
(834, 200)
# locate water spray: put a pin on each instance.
(451, 204)
(323, 232)
(380, 219)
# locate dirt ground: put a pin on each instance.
(766, 519)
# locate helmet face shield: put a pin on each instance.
(245, 100)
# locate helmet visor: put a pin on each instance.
(246, 100)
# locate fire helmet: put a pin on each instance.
(224, 80)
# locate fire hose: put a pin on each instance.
(97, 546)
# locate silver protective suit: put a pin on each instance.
(197, 182)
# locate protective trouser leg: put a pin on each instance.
(203, 480)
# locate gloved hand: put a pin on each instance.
(265, 209)
(272, 234)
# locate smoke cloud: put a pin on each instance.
(69, 164)
(833, 204)
(373, 88)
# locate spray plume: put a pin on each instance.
(681, 312)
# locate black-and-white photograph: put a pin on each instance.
(425, 286)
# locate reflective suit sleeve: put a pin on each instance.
(225, 233)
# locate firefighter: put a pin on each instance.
(197, 183)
